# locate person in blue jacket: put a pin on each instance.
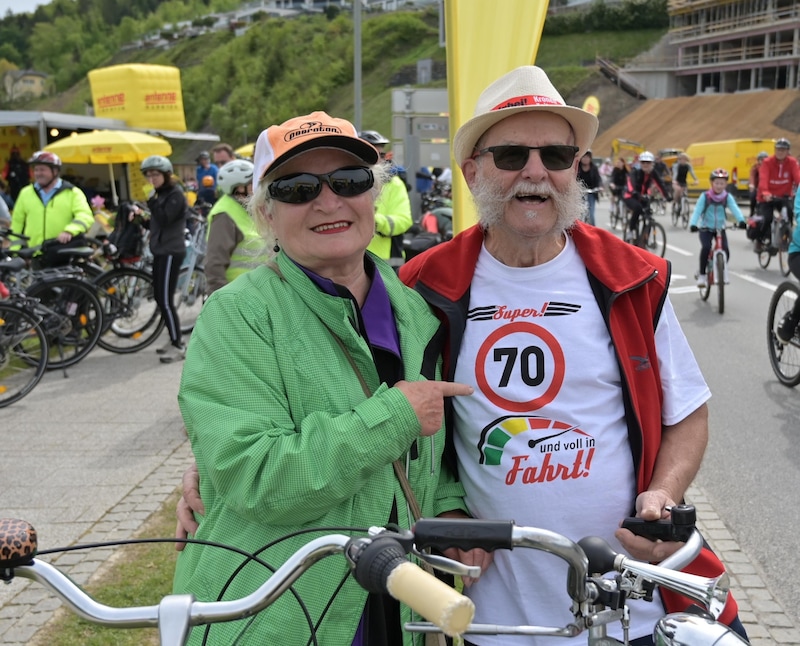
(710, 215)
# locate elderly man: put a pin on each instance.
(589, 405)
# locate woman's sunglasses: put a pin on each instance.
(554, 157)
(304, 187)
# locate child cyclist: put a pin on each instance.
(709, 215)
(788, 327)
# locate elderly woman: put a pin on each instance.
(304, 381)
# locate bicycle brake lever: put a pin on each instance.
(449, 565)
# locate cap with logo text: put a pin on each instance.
(278, 144)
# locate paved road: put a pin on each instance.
(92, 456)
(87, 458)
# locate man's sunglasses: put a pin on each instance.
(304, 187)
(554, 157)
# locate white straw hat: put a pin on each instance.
(525, 89)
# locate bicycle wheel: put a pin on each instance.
(655, 238)
(131, 318)
(23, 353)
(685, 212)
(764, 257)
(719, 275)
(785, 359)
(615, 215)
(710, 278)
(676, 213)
(72, 319)
(783, 250)
(190, 295)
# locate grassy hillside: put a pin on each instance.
(279, 68)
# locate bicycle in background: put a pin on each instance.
(650, 234)
(780, 235)
(783, 357)
(716, 269)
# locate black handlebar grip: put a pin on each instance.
(376, 561)
(464, 533)
(18, 544)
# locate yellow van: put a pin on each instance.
(734, 155)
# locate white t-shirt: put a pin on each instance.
(543, 440)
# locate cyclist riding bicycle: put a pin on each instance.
(778, 176)
(752, 185)
(681, 170)
(788, 327)
(710, 214)
(640, 182)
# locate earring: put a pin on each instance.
(277, 247)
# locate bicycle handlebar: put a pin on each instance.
(379, 564)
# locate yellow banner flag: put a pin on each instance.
(485, 39)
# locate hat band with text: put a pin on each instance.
(525, 100)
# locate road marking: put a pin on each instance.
(683, 252)
(756, 281)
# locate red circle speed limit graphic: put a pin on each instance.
(532, 360)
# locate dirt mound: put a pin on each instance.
(678, 122)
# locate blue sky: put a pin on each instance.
(19, 6)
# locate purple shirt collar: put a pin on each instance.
(377, 310)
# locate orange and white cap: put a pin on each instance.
(278, 144)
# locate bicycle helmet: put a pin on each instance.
(203, 155)
(238, 172)
(374, 137)
(719, 173)
(647, 156)
(46, 159)
(783, 143)
(763, 155)
(157, 162)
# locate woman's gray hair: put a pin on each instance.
(260, 204)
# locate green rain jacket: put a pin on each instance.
(285, 439)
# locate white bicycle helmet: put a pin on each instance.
(238, 172)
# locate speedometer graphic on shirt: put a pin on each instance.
(520, 367)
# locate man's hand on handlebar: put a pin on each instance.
(650, 505)
(477, 556)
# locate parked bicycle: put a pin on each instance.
(192, 287)
(783, 357)
(23, 343)
(70, 311)
(780, 235)
(379, 563)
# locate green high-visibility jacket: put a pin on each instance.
(286, 439)
(67, 210)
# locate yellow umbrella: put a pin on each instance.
(109, 147)
(246, 150)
